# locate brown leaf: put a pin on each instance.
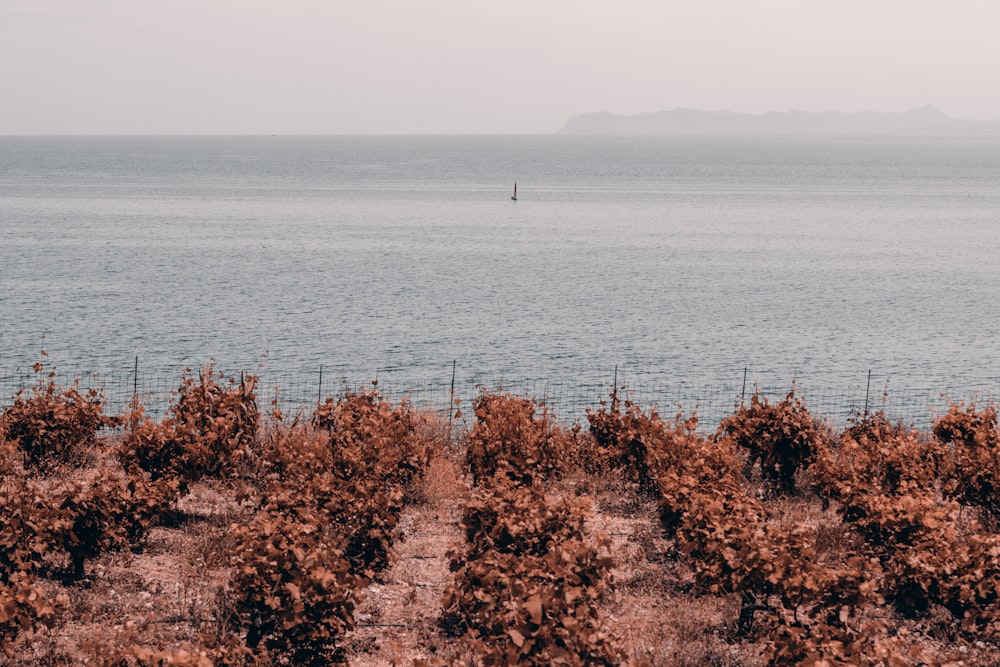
(534, 607)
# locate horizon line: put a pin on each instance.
(554, 134)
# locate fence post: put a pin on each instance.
(451, 397)
(319, 392)
(866, 391)
(135, 381)
(614, 392)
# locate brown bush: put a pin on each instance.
(878, 456)
(782, 437)
(51, 425)
(209, 429)
(30, 528)
(927, 559)
(808, 609)
(527, 584)
(24, 609)
(509, 438)
(292, 592)
(975, 438)
(644, 445)
(371, 438)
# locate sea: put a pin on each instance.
(688, 272)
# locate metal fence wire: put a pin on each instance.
(568, 401)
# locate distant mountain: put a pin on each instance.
(691, 122)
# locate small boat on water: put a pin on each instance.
(514, 196)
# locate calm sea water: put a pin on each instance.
(673, 259)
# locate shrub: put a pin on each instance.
(30, 528)
(531, 610)
(927, 560)
(44, 526)
(111, 513)
(24, 609)
(527, 584)
(519, 520)
(52, 425)
(877, 456)
(975, 479)
(292, 592)
(353, 471)
(361, 518)
(508, 438)
(781, 437)
(371, 438)
(224, 415)
(643, 445)
(208, 429)
(733, 547)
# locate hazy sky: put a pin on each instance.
(468, 66)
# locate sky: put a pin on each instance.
(476, 67)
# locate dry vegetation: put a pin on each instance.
(373, 533)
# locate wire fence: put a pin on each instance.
(569, 401)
